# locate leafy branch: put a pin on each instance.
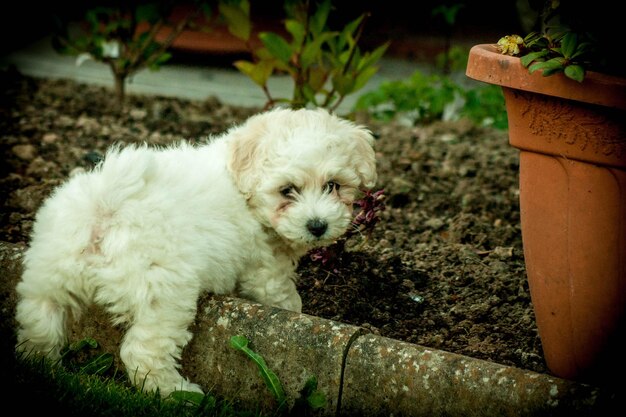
(325, 65)
(126, 38)
(568, 42)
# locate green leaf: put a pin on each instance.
(316, 400)
(319, 18)
(237, 19)
(296, 29)
(81, 344)
(312, 51)
(575, 72)
(142, 37)
(344, 56)
(195, 398)
(309, 94)
(584, 48)
(332, 40)
(548, 67)
(147, 13)
(373, 57)
(532, 56)
(341, 44)
(309, 386)
(259, 73)
(448, 12)
(310, 54)
(160, 60)
(363, 77)
(277, 46)
(537, 66)
(352, 26)
(569, 44)
(317, 78)
(550, 71)
(239, 342)
(269, 377)
(263, 54)
(344, 84)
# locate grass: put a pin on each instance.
(86, 382)
(40, 385)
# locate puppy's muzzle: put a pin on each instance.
(317, 227)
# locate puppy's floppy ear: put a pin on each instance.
(364, 159)
(244, 159)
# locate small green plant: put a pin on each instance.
(568, 41)
(196, 399)
(270, 378)
(550, 52)
(124, 37)
(448, 14)
(310, 397)
(76, 358)
(485, 105)
(452, 59)
(325, 65)
(423, 99)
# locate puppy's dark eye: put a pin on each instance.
(331, 186)
(288, 191)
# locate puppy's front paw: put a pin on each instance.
(293, 302)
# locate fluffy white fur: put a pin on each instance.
(150, 229)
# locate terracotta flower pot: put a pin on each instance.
(572, 142)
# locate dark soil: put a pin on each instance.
(443, 268)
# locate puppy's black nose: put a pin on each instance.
(317, 227)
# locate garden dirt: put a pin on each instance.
(442, 268)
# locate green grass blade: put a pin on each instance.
(269, 377)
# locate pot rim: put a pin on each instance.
(487, 64)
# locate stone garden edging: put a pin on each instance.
(359, 373)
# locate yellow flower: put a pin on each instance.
(510, 44)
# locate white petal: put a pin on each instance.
(82, 58)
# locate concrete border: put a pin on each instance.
(358, 372)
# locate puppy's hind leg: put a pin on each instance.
(42, 313)
(152, 346)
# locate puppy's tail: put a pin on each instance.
(124, 174)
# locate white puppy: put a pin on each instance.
(150, 229)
